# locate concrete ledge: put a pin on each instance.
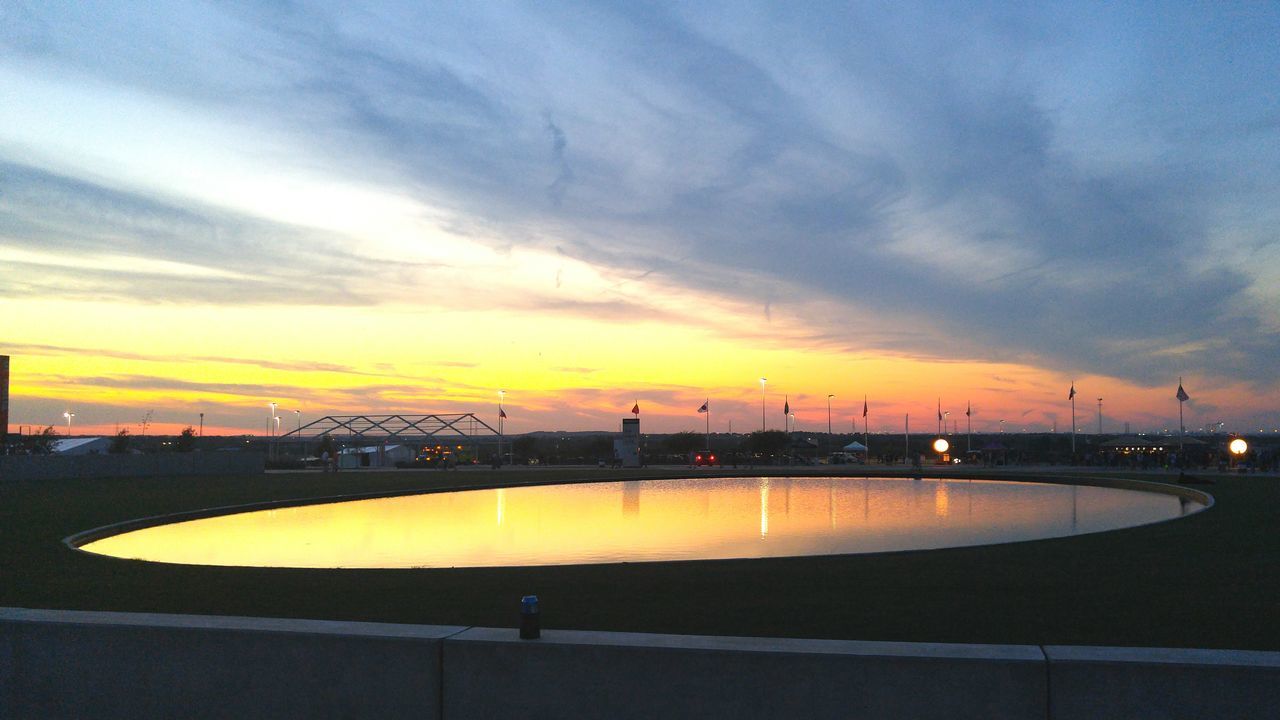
(1099, 683)
(66, 664)
(71, 664)
(491, 673)
(103, 467)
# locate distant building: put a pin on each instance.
(4, 401)
(82, 446)
(626, 449)
(374, 456)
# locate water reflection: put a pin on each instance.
(631, 497)
(764, 508)
(646, 521)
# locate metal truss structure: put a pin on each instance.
(403, 427)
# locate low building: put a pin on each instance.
(626, 449)
(81, 446)
(374, 456)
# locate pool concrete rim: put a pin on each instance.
(76, 541)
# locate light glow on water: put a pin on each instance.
(641, 521)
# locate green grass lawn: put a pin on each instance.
(1208, 580)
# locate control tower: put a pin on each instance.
(4, 401)
(626, 449)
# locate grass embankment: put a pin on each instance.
(1209, 580)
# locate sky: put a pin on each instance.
(407, 207)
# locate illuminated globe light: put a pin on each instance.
(941, 445)
(1238, 446)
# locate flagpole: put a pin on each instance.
(1073, 421)
(708, 404)
(1182, 428)
(968, 413)
(906, 427)
(866, 429)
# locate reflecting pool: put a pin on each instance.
(705, 518)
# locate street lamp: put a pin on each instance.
(272, 425)
(501, 415)
(1237, 447)
(829, 414)
(68, 415)
(762, 425)
(941, 446)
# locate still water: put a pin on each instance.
(706, 518)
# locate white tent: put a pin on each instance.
(373, 456)
(854, 446)
(81, 446)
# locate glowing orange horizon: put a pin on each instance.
(559, 372)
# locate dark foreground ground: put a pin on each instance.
(1209, 580)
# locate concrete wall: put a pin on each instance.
(66, 664)
(55, 467)
(1104, 683)
(490, 673)
(63, 664)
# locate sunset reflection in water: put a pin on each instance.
(641, 521)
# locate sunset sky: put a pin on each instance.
(207, 207)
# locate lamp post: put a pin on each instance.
(1099, 416)
(941, 446)
(762, 421)
(946, 419)
(271, 426)
(829, 414)
(201, 424)
(68, 415)
(1237, 447)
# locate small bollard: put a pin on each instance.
(530, 622)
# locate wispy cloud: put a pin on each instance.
(248, 259)
(971, 183)
(298, 366)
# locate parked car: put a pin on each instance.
(700, 458)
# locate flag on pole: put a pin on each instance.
(502, 413)
(635, 410)
(1182, 394)
(705, 407)
(968, 411)
(786, 406)
(939, 409)
(1072, 395)
(864, 406)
